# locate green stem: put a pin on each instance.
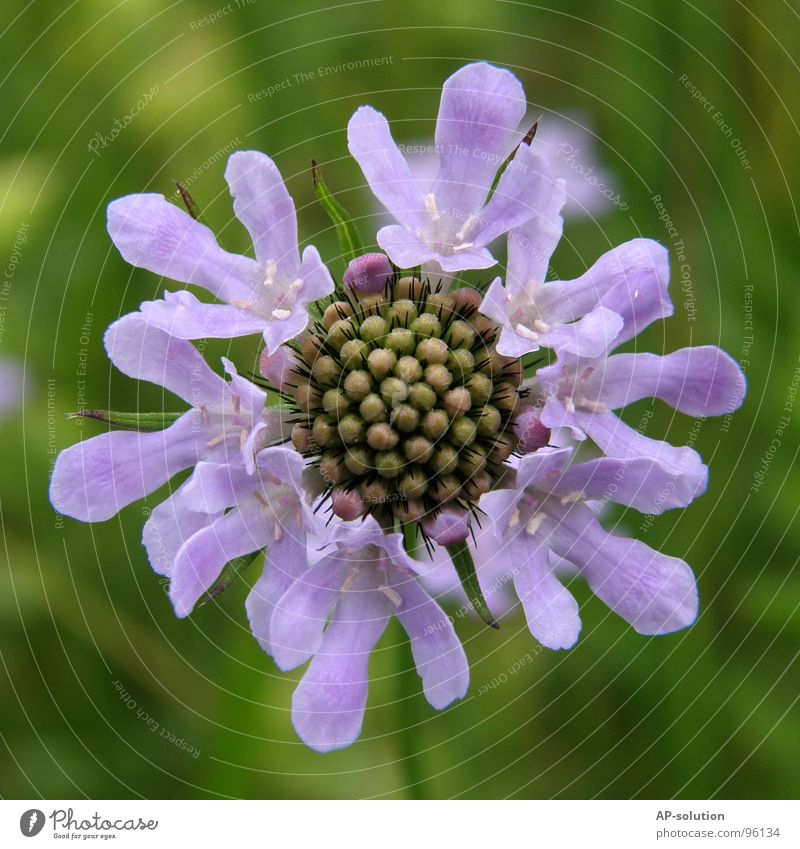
(408, 684)
(465, 567)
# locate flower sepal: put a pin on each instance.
(465, 569)
(143, 422)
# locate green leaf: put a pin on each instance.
(410, 539)
(465, 568)
(129, 421)
(349, 240)
(188, 201)
(527, 141)
(230, 572)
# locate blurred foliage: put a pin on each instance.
(711, 711)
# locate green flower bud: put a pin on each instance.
(444, 488)
(337, 310)
(404, 417)
(341, 331)
(462, 431)
(413, 484)
(394, 391)
(409, 511)
(418, 449)
(381, 437)
(324, 431)
(444, 460)
(306, 397)
(358, 459)
(489, 421)
(325, 370)
(374, 492)
(435, 424)
(408, 369)
(335, 403)
(505, 396)
(421, 396)
(302, 439)
(426, 324)
(373, 328)
(401, 341)
(333, 469)
(358, 385)
(480, 388)
(440, 304)
(471, 459)
(373, 409)
(460, 334)
(351, 429)
(457, 401)
(408, 287)
(402, 313)
(432, 351)
(389, 464)
(354, 353)
(502, 447)
(460, 362)
(381, 362)
(438, 378)
(478, 485)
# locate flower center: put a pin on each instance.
(404, 402)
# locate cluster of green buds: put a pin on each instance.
(403, 401)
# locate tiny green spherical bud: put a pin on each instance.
(389, 464)
(354, 353)
(306, 397)
(324, 432)
(310, 348)
(471, 460)
(408, 511)
(418, 449)
(381, 362)
(404, 417)
(401, 312)
(439, 303)
(426, 324)
(371, 303)
(373, 409)
(302, 439)
(375, 492)
(502, 447)
(457, 401)
(461, 362)
(478, 485)
(325, 370)
(489, 421)
(444, 460)
(358, 385)
(408, 369)
(460, 334)
(480, 388)
(352, 429)
(489, 362)
(358, 459)
(341, 331)
(337, 310)
(407, 287)
(421, 396)
(505, 396)
(335, 403)
(373, 328)
(401, 340)
(413, 484)
(435, 424)
(438, 378)
(444, 488)
(432, 351)
(382, 437)
(394, 391)
(512, 372)
(333, 469)
(462, 431)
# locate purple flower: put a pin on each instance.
(95, 479)
(546, 513)
(222, 512)
(268, 295)
(334, 614)
(368, 274)
(582, 316)
(477, 129)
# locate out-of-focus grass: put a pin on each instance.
(709, 711)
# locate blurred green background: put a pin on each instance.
(708, 712)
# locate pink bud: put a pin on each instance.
(347, 505)
(448, 527)
(368, 274)
(530, 431)
(277, 367)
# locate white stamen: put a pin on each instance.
(573, 497)
(277, 533)
(465, 246)
(281, 315)
(569, 404)
(242, 437)
(514, 520)
(593, 406)
(240, 304)
(349, 580)
(534, 523)
(467, 228)
(430, 205)
(271, 272)
(394, 597)
(203, 414)
(526, 333)
(541, 326)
